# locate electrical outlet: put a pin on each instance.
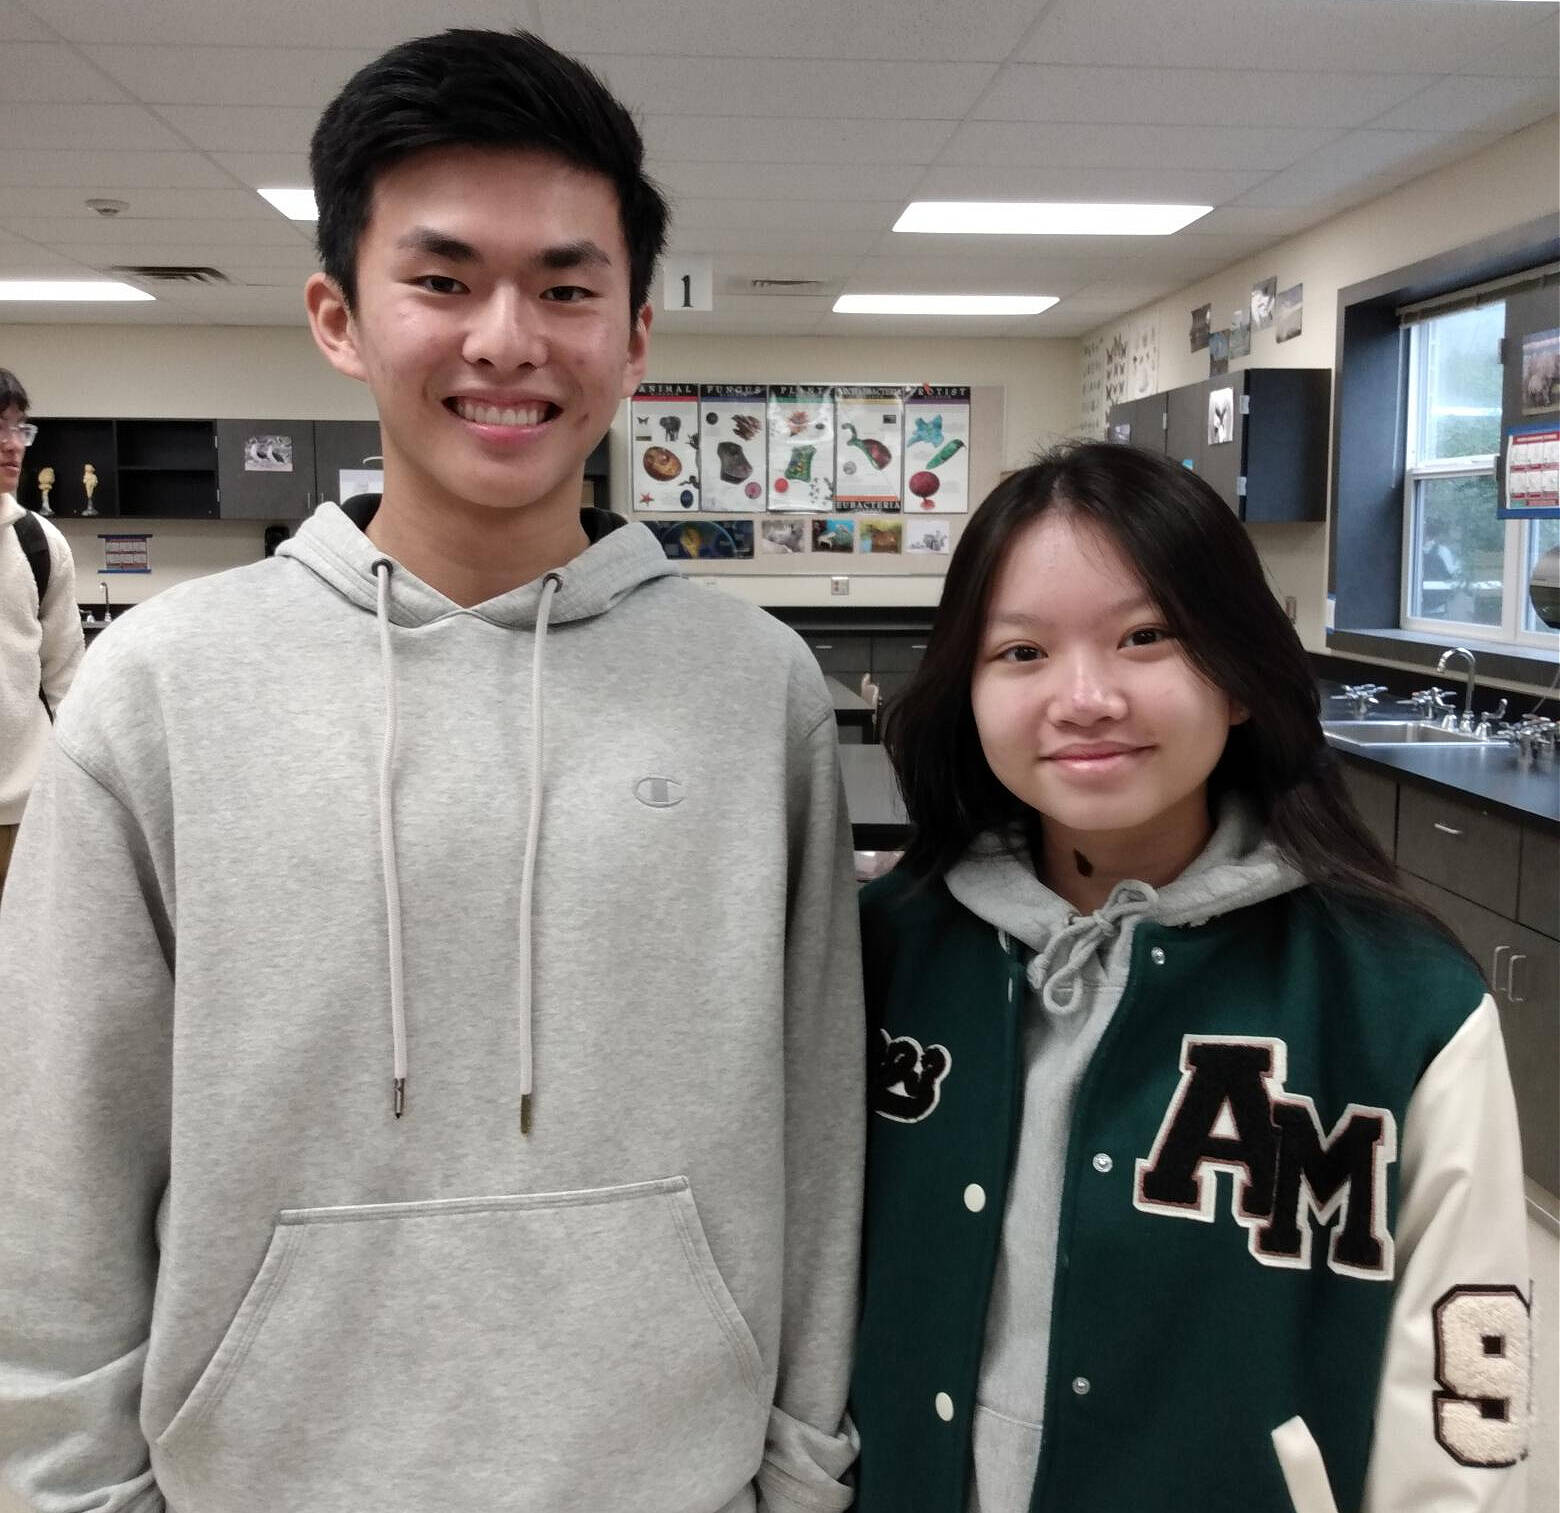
(839, 585)
(1290, 607)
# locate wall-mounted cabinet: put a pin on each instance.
(1258, 437)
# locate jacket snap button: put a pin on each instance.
(1157, 956)
(1080, 1385)
(974, 1197)
(1102, 1162)
(944, 1406)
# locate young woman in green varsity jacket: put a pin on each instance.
(1193, 1178)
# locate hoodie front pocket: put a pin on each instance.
(566, 1352)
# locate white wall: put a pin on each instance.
(1512, 182)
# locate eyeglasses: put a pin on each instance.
(27, 432)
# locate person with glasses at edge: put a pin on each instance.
(40, 626)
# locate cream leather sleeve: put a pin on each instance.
(1453, 1410)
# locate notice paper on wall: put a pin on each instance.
(1532, 480)
(664, 447)
(125, 554)
(937, 457)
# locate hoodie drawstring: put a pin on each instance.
(550, 585)
(382, 571)
(1054, 972)
(383, 568)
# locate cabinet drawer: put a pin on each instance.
(1538, 884)
(842, 654)
(898, 653)
(1471, 851)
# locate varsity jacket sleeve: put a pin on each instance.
(63, 642)
(1452, 1415)
(85, 1005)
(810, 1444)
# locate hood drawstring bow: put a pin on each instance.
(383, 568)
(1053, 973)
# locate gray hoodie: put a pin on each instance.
(1077, 974)
(413, 1103)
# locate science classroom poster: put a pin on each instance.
(664, 448)
(733, 448)
(801, 448)
(937, 449)
(868, 449)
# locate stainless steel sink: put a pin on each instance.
(1398, 733)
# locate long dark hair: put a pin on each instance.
(1202, 571)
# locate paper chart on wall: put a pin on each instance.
(937, 449)
(664, 447)
(704, 540)
(927, 536)
(868, 449)
(733, 447)
(801, 448)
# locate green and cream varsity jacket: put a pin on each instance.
(1291, 1262)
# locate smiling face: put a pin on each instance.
(11, 448)
(1087, 709)
(492, 323)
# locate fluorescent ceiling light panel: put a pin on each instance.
(943, 304)
(68, 291)
(1044, 218)
(295, 204)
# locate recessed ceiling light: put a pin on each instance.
(68, 291)
(943, 304)
(295, 204)
(1044, 218)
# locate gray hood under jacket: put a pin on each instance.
(1077, 971)
(304, 857)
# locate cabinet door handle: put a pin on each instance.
(1446, 829)
(1511, 978)
(1495, 967)
(822, 646)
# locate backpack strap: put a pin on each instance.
(35, 548)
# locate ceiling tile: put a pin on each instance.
(197, 253)
(298, 76)
(794, 88)
(41, 124)
(1350, 160)
(789, 181)
(1102, 146)
(1530, 53)
(789, 241)
(16, 25)
(107, 172)
(145, 204)
(816, 215)
(52, 72)
(863, 29)
(243, 128)
(1470, 102)
(92, 231)
(774, 139)
(1399, 36)
(1173, 185)
(267, 170)
(1192, 96)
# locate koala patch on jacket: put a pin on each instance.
(906, 1079)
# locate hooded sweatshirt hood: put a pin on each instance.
(333, 545)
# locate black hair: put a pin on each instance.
(469, 88)
(1204, 574)
(12, 394)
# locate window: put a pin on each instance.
(1465, 570)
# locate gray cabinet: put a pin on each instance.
(1139, 423)
(343, 446)
(1375, 795)
(265, 469)
(1459, 845)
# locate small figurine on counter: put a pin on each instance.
(45, 488)
(89, 482)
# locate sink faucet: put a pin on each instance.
(107, 613)
(1467, 714)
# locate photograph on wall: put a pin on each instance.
(1121, 433)
(1532, 473)
(704, 540)
(1540, 372)
(868, 448)
(664, 447)
(733, 447)
(927, 536)
(937, 455)
(1143, 359)
(1218, 353)
(1116, 368)
(1221, 417)
(801, 448)
(1288, 313)
(833, 535)
(1092, 407)
(782, 538)
(268, 454)
(1202, 322)
(880, 536)
(1263, 297)
(1240, 333)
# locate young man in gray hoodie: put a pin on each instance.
(428, 1002)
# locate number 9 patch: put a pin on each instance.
(1483, 1364)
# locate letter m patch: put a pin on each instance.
(1231, 1113)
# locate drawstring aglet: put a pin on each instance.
(400, 1096)
(525, 1113)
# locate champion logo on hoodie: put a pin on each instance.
(659, 792)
